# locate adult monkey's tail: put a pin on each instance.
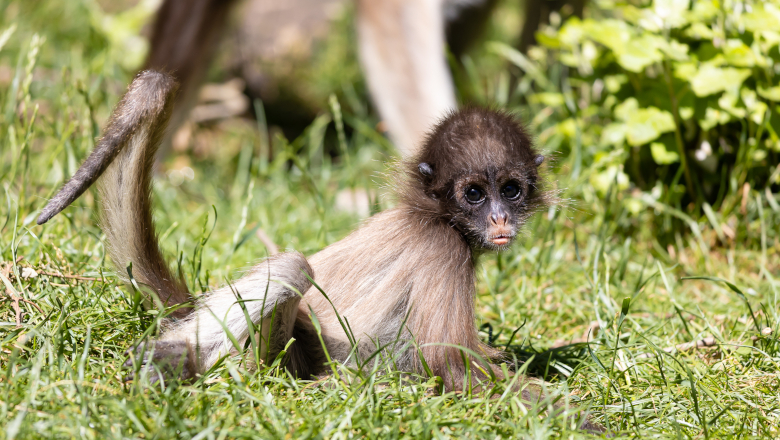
(124, 157)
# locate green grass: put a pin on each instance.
(60, 370)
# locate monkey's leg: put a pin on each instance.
(532, 391)
(184, 38)
(273, 288)
(401, 45)
(466, 21)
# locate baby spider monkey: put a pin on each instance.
(405, 280)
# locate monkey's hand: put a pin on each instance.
(533, 391)
(169, 360)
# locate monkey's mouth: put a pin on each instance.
(501, 240)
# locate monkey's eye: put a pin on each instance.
(511, 191)
(474, 194)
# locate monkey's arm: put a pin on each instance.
(273, 288)
(265, 299)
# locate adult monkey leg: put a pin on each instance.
(402, 51)
(466, 22)
(185, 36)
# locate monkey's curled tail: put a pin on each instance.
(124, 157)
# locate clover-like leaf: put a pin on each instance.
(685, 71)
(614, 134)
(661, 155)
(711, 79)
(615, 82)
(675, 50)
(765, 16)
(547, 98)
(772, 93)
(604, 180)
(624, 110)
(755, 106)
(612, 33)
(548, 39)
(672, 12)
(640, 52)
(571, 33)
(728, 102)
(739, 54)
(713, 117)
(642, 125)
(699, 31)
(703, 11)
(647, 124)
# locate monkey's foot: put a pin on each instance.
(594, 428)
(161, 360)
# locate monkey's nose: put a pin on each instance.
(499, 218)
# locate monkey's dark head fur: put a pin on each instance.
(478, 171)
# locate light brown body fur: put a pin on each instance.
(394, 267)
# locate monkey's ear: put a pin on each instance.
(425, 169)
(538, 159)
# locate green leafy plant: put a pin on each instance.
(674, 100)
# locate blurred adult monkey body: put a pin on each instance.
(406, 277)
(401, 46)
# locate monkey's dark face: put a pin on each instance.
(490, 206)
(478, 171)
